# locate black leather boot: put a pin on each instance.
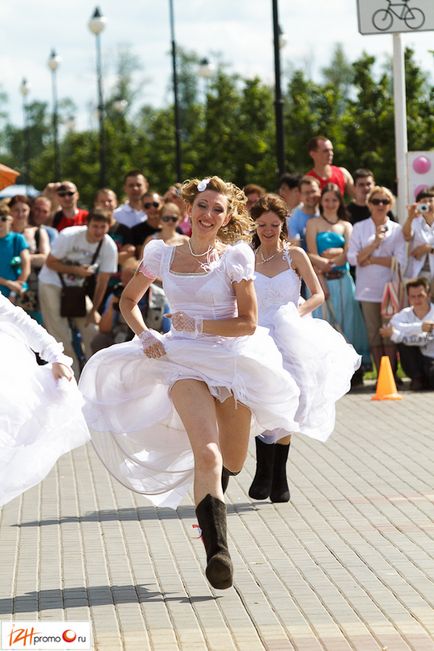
(211, 515)
(226, 474)
(279, 486)
(261, 485)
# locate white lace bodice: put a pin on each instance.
(274, 292)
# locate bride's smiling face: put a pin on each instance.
(269, 228)
(209, 213)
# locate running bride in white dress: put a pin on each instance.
(164, 408)
(317, 356)
(40, 406)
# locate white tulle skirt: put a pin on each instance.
(40, 418)
(321, 362)
(134, 426)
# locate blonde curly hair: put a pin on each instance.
(240, 224)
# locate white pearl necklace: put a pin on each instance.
(199, 255)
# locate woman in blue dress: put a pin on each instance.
(327, 239)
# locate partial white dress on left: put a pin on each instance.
(40, 418)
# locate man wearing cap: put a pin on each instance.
(69, 213)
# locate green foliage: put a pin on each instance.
(228, 126)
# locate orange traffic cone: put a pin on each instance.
(386, 387)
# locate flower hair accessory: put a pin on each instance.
(201, 186)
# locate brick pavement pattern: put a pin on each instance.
(346, 565)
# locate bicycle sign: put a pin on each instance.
(387, 16)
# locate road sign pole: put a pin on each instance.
(401, 146)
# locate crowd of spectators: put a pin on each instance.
(346, 223)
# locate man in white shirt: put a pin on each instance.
(131, 212)
(413, 330)
(72, 256)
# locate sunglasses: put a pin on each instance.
(151, 204)
(65, 193)
(380, 202)
(169, 218)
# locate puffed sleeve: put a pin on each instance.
(152, 256)
(35, 336)
(240, 262)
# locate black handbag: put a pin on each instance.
(73, 301)
(72, 297)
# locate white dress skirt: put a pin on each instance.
(134, 426)
(315, 354)
(40, 418)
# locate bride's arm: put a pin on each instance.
(304, 268)
(37, 338)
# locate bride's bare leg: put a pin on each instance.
(196, 408)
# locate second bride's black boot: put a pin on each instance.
(211, 515)
(279, 485)
(261, 485)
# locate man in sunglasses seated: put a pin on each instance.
(69, 214)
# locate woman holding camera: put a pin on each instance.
(327, 239)
(419, 231)
(374, 246)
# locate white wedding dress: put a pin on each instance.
(40, 418)
(134, 427)
(315, 354)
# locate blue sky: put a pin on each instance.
(240, 29)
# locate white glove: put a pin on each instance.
(152, 347)
(191, 325)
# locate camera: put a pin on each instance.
(423, 207)
(117, 290)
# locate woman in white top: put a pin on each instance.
(166, 409)
(40, 407)
(374, 243)
(419, 231)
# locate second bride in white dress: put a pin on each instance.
(317, 356)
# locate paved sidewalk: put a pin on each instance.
(346, 565)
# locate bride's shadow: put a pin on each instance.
(141, 513)
(79, 597)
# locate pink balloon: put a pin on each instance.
(419, 188)
(421, 165)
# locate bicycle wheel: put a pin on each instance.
(382, 20)
(414, 18)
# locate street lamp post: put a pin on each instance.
(205, 71)
(97, 25)
(25, 90)
(178, 152)
(278, 41)
(53, 63)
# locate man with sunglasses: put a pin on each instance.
(151, 204)
(69, 214)
(131, 212)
